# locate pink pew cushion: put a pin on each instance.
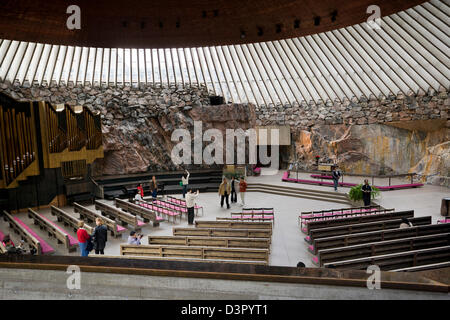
(2, 236)
(141, 223)
(316, 259)
(305, 230)
(120, 228)
(307, 238)
(72, 240)
(311, 247)
(159, 218)
(46, 248)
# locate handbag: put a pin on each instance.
(90, 245)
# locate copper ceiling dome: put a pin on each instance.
(174, 23)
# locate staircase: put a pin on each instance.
(299, 193)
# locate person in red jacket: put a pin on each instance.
(83, 238)
(141, 191)
(242, 190)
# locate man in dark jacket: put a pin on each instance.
(367, 192)
(100, 236)
(335, 175)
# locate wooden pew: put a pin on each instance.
(260, 255)
(69, 242)
(360, 219)
(210, 242)
(394, 261)
(308, 217)
(363, 227)
(233, 224)
(376, 236)
(425, 267)
(146, 214)
(28, 235)
(211, 232)
(117, 214)
(153, 258)
(69, 220)
(90, 216)
(380, 248)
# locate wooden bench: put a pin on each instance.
(210, 242)
(394, 261)
(136, 209)
(308, 217)
(233, 224)
(182, 202)
(260, 255)
(425, 267)
(245, 233)
(380, 248)
(243, 216)
(363, 227)
(69, 242)
(175, 259)
(27, 235)
(376, 236)
(69, 220)
(125, 218)
(360, 219)
(159, 210)
(90, 216)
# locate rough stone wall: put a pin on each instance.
(393, 134)
(421, 106)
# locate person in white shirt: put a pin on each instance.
(185, 182)
(190, 204)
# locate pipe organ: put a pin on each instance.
(36, 137)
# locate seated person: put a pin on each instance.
(405, 223)
(134, 238)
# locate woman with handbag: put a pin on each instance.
(83, 239)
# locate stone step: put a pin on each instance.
(314, 193)
(300, 194)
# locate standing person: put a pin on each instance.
(242, 190)
(224, 192)
(367, 192)
(185, 182)
(154, 187)
(140, 189)
(335, 175)
(233, 190)
(100, 236)
(83, 238)
(190, 204)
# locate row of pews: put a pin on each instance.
(356, 238)
(232, 240)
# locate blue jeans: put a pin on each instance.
(335, 184)
(184, 190)
(83, 246)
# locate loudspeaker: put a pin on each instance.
(215, 100)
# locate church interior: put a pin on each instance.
(226, 150)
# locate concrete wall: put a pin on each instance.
(42, 284)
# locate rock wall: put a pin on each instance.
(393, 134)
